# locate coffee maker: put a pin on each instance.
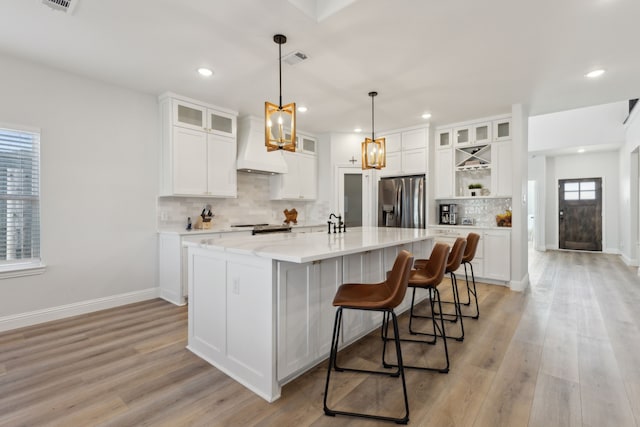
(448, 214)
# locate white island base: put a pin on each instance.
(260, 306)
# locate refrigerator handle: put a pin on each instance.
(398, 205)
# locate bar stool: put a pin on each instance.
(453, 263)
(429, 277)
(469, 254)
(384, 297)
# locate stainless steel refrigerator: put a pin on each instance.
(401, 202)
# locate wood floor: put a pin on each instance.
(564, 353)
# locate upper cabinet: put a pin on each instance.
(502, 130)
(198, 149)
(444, 138)
(477, 133)
(207, 119)
(406, 152)
(306, 144)
(300, 182)
(474, 159)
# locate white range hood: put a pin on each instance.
(252, 153)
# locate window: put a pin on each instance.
(19, 202)
(580, 190)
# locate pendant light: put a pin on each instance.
(373, 150)
(280, 120)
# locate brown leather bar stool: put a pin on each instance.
(384, 297)
(453, 263)
(469, 254)
(429, 277)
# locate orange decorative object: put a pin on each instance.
(504, 220)
(291, 216)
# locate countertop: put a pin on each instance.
(307, 247)
(225, 228)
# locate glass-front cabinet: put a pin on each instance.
(198, 117)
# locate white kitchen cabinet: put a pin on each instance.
(392, 142)
(443, 173)
(305, 316)
(497, 254)
(300, 182)
(198, 149)
(200, 117)
(444, 138)
(172, 261)
(306, 144)
(502, 171)
(407, 153)
(475, 133)
(502, 129)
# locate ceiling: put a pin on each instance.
(456, 59)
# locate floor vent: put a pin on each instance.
(294, 58)
(65, 6)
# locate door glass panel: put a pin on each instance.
(503, 130)
(571, 195)
(571, 186)
(587, 195)
(353, 199)
(590, 185)
(444, 139)
(482, 133)
(190, 116)
(221, 123)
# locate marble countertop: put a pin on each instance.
(307, 247)
(226, 228)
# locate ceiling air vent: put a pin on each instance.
(295, 58)
(65, 6)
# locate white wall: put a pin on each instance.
(582, 127)
(100, 152)
(628, 219)
(537, 172)
(587, 165)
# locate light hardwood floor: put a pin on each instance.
(564, 353)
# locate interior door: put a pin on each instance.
(580, 214)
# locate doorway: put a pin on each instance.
(352, 199)
(580, 214)
(353, 195)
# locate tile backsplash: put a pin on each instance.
(483, 211)
(251, 206)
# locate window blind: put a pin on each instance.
(19, 197)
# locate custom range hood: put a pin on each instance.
(252, 153)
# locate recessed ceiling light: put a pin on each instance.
(426, 116)
(594, 74)
(302, 109)
(205, 72)
(358, 130)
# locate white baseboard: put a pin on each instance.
(55, 313)
(520, 285)
(628, 261)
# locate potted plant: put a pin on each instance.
(474, 189)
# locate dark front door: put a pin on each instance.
(580, 214)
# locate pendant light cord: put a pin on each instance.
(280, 72)
(372, 121)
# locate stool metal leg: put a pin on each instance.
(400, 372)
(438, 331)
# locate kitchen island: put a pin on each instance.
(260, 306)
